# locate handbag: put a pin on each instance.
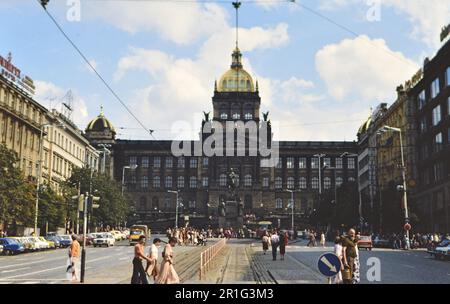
(347, 274)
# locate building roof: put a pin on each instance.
(236, 79)
(100, 124)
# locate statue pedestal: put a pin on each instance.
(232, 218)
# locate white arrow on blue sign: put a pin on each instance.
(329, 264)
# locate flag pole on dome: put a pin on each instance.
(236, 5)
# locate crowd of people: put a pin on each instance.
(417, 240)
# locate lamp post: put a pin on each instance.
(405, 196)
(133, 167)
(105, 151)
(292, 207)
(347, 154)
(176, 206)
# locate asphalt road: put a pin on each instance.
(48, 267)
(396, 266)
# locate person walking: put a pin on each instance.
(265, 242)
(322, 239)
(152, 267)
(339, 253)
(167, 274)
(275, 241)
(139, 275)
(74, 257)
(284, 239)
(312, 240)
(349, 255)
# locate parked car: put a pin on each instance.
(51, 244)
(381, 243)
(104, 239)
(65, 241)
(32, 244)
(55, 239)
(442, 250)
(11, 246)
(365, 242)
(42, 244)
(1, 249)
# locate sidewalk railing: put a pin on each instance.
(208, 255)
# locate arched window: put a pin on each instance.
(180, 182)
(144, 182)
(279, 203)
(223, 115)
(339, 181)
(351, 179)
(278, 183)
(248, 112)
(156, 182)
(223, 180)
(327, 183)
(248, 180)
(303, 183)
(315, 183)
(193, 182)
(235, 112)
(168, 182)
(290, 183)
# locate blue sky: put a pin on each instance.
(317, 80)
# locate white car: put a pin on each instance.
(39, 245)
(103, 239)
(442, 251)
(1, 249)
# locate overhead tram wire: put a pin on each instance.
(150, 131)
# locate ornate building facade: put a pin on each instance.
(150, 169)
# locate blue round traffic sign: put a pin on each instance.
(329, 264)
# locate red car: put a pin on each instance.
(365, 242)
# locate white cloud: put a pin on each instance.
(363, 68)
(179, 22)
(52, 96)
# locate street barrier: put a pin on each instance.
(208, 255)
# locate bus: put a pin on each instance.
(136, 231)
(263, 227)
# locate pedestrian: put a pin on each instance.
(284, 239)
(312, 239)
(139, 275)
(322, 239)
(74, 256)
(275, 241)
(167, 274)
(152, 267)
(349, 256)
(265, 242)
(356, 273)
(338, 252)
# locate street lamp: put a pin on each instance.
(133, 167)
(176, 206)
(347, 154)
(405, 196)
(320, 156)
(292, 207)
(105, 151)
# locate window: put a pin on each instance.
(421, 99)
(435, 88)
(265, 182)
(290, 163)
(436, 115)
(302, 163)
(327, 183)
(314, 163)
(144, 182)
(157, 162)
(290, 183)
(181, 162)
(192, 204)
(339, 163)
(223, 116)
(327, 162)
(193, 163)
(279, 163)
(236, 116)
(193, 182)
(447, 77)
(279, 203)
(144, 162)
(156, 182)
(133, 160)
(339, 181)
(205, 181)
(278, 183)
(167, 203)
(351, 163)
(205, 162)
(169, 162)
(315, 183)
(423, 125)
(168, 182)
(351, 179)
(248, 116)
(303, 183)
(222, 180)
(438, 142)
(180, 182)
(248, 180)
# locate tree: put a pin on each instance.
(16, 194)
(52, 209)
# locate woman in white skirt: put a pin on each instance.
(339, 253)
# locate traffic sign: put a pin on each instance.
(329, 264)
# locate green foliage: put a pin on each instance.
(52, 209)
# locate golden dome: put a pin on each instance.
(365, 126)
(100, 123)
(236, 79)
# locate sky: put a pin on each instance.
(321, 65)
